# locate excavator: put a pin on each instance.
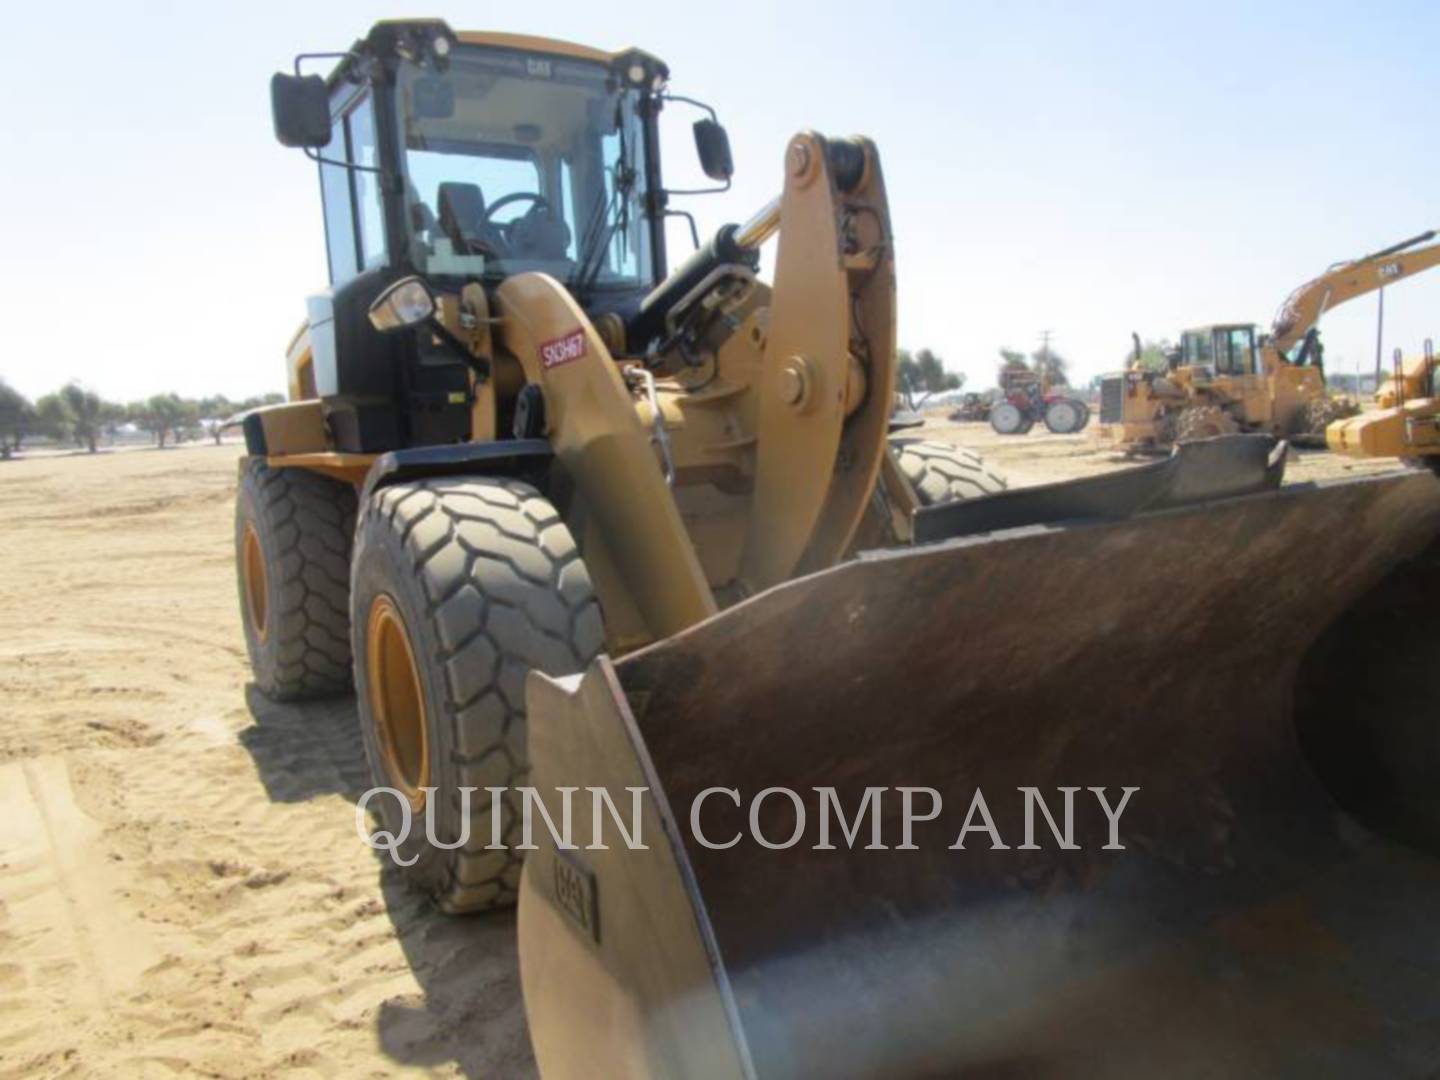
(1405, 422)
(1225, 378)
(795, 771)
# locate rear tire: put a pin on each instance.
(1007, 419)
(1064, 417)
(1204, 422)
(942, 473)
(293, 532)
(461, 587)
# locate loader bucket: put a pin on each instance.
(1261, 669)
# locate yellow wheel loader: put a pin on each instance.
(508, 413)
(1226, 378)
(640, 533)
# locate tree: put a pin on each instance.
(162, 415)
(51, 419)
(1050, 366)
(1011, 360)
(255, 402)
(16, 417)
(214, 407)
(187, 421)
(923, 374)
(80, 414)
(1154, 356)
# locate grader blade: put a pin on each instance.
(1259, 669)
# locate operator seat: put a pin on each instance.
(462, 218)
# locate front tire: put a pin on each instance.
(1319, 413)
(1065, 417)
(461, 586)
(1007, 419)
(1204, 422)
(293, 532)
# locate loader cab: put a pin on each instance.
(469, 158)
(1223, 350)
(477, 156)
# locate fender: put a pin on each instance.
(524, 459)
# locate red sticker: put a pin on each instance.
(563, 350)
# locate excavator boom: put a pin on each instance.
(1346, 281)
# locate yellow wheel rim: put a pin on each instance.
(252, 570)
(397, 701)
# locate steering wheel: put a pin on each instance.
(540, 203)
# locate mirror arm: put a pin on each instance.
(315, 156)
(667, 96)
(356, 74)
(689, 217)
(698, 191)
(709, 111)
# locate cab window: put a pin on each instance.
(1198, 349)
(522, 162)
(1235, 349)
(369, 212)
(354, 218)
(339, 216)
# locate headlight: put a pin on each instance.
(406, 303)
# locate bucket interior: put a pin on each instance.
(1256, 669)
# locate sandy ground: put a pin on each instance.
(181, 887)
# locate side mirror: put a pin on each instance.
(712, 143)
(406, 303)
(300, 107)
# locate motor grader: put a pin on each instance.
(1229, 378)
(573, 519)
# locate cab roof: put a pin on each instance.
(529, 43)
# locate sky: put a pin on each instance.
(1086, 169)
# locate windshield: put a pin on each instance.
(520, 161)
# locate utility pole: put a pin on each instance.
(1379, 338)
(1044, 364)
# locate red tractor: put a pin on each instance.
(1028, 399)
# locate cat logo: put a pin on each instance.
(539, 69)
(1389, 270)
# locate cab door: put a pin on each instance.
(1238, 365)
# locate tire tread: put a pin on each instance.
(311, 521)
(505, 592)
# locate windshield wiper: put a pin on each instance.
(611, 214)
